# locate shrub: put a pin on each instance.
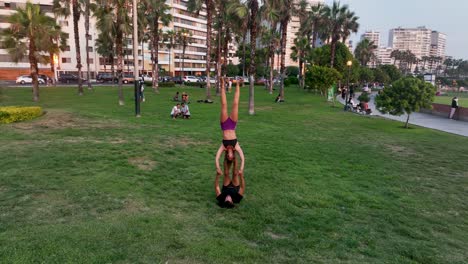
(10, 114)
(197, 84)
(364, 97)
(293, 80)
(160, 84)
(287, 82)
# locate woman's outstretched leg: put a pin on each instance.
(224, 112)
(235, 104)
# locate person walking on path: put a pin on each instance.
(454, 107)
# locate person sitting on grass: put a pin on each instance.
(176, 97)
(175, 111)
(185, 111)
(233, 188)
(185, 98)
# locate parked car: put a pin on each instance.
(27, 79)
(203, 79)
(165, 79)
(177, 80)
(46, 78)
(68, 78)
(146, 78)
(106, 77)
(128, 78)
(191, 79)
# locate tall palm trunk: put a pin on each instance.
(218, 58)
(284, 31)
(225, 52)
(155, 43)
(333, 51)
(52, 66)
(253, 42)
(88, 73)
(119, 49)
(34, 68)
(271, 56)
(209, 18)
(76, 18)
(301, 67)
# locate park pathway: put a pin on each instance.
(422, 119)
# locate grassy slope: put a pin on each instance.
(323, 186)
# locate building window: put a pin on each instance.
(63, 23)
(90, 37)
(66, 60)
(91, 61)
(90, 49)
(67, 48)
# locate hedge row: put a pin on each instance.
(160, 84)
(10, 114)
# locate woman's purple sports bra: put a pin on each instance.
(229, 124)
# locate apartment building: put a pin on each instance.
(438, 44)
(372, 36)
(169, 60)
(417, 40)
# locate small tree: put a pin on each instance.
(406, 96)
(321, 78)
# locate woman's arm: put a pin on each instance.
(242, 183)
(241, 155)
(218, 155)
(216, 183)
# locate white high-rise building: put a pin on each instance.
(372, 36)
(438, 43)
(195, 55)
(417, 40)
(383, 55)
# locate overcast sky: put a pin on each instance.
(447, 16)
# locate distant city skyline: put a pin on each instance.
(447, 17)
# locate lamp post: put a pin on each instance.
(135, 60)
(349, 64)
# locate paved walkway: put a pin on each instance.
(421, 119)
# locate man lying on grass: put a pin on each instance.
(233, 189)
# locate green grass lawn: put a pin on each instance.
(462, 99)
(90, 183)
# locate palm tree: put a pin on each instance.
(30, 34)
(57, 42)
(170, 38)
(240, 12)
(317, 21)
(62, 8)
(184, 39)
(253, 7)
(299, 50)
(113, 20)
(270, 13)
(341, 22)
(156, 11)
(286, 12)
(396, 55)
(365, 51)
(87, 15)
(196, 6)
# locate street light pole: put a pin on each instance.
(349, 64)
(135, 60)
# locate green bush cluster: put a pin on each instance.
(287, 82)
(10, 114)
(160, 84)
(197, 84)
(293, 80)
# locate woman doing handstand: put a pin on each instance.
(229, 146)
